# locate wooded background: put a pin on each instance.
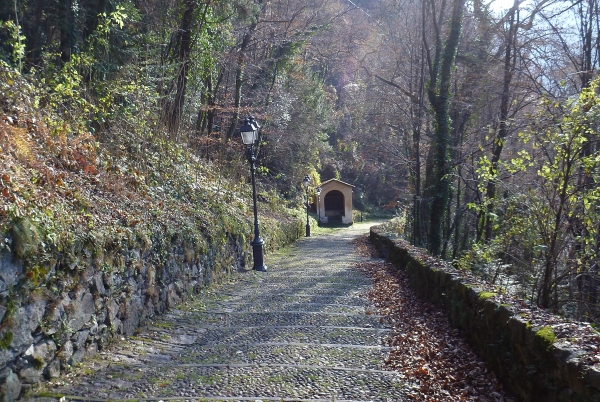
(477, 124)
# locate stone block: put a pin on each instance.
(25, 321)
(97, 284)
(31, 373)
(112, 309)
(10, 271)
(79, 338)
(77, 357)
(80, 309)
(64, 354)
(52, 370)
(131, 315)
(44, 351)
(10, 386)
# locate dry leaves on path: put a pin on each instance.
(430, 355)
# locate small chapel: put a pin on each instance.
(334, 203)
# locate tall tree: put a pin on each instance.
(510, 44)
(441, 63)
(242, 58)
(184, 45)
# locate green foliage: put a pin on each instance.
(545, 231)
(11, 308)
(96, 203)
(479, 255)
(292, 157)
(16, 41)
(397, 225)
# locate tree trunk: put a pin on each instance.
(91, 21)
(32, 31)
(239, 76)
(439, 97)
(417, 119)
(509, 67)
(185, 45)
(553, 248)
(67, 29)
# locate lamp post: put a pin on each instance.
(362, 204)
(318, 206)
(416, 200)
(306, 182)
(249, 133)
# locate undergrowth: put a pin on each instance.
(68, 201)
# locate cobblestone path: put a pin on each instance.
(299, 332)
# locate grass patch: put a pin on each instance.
(48, 394)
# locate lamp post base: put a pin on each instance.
(257, 255)
(307, 230)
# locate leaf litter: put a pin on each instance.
(436, 363)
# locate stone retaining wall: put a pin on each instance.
(530, 364)
(57, 324)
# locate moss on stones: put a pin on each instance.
(26, 237)
(546, 336)
(486, 295)
(37, 363)
(6, 340)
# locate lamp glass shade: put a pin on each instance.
(248, 137)
(306, 180)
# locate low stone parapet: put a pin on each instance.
(538, 356)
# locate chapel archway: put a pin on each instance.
(334, 206)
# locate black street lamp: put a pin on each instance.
(362, 196)
(249, 133)
(306, 182)
(318, 206)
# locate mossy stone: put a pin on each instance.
(546, 336)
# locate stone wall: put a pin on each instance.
(47, 328)
(526, 357)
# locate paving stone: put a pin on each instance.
(303, 331)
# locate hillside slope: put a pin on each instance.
(96, 237)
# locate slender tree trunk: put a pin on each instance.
(185, 46)
(91, 21)
(204, 100)
(417, 110)
(457, 226)
(439, 97)
(447, 226)
(553, 248)
(587, 26)
(239, 76)
(509, 67)
(33, 33)
(67, 30)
